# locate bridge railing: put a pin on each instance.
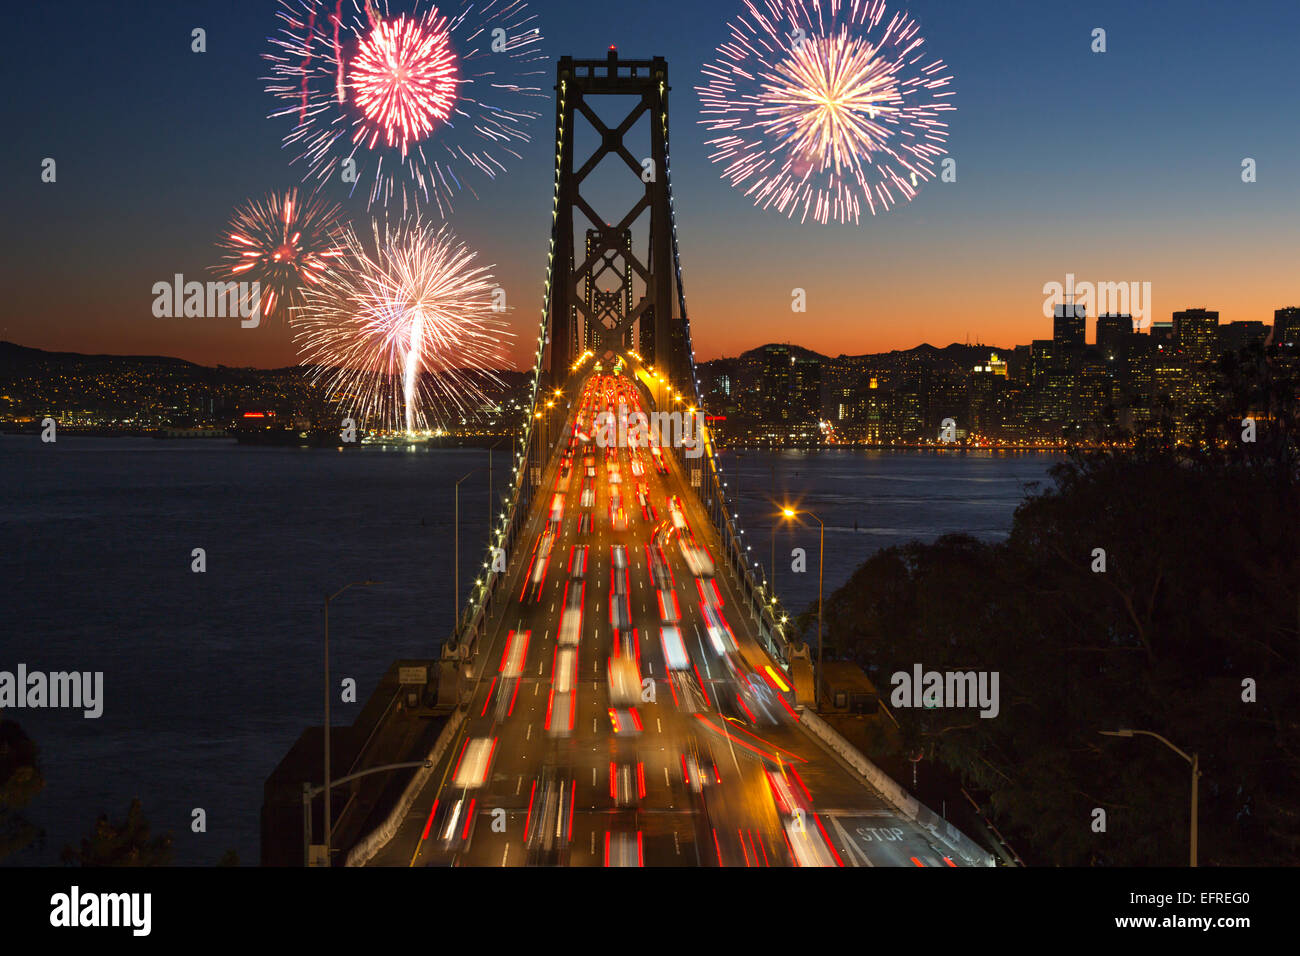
(484, 597)
(771, 622)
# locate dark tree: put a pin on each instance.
(20, 782)
(126, 844)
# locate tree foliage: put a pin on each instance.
(20, 782)
(122, 844)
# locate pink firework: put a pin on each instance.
(405, 80)
(422, 101)
(284, 242)
(825, 107)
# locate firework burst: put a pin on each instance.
(284, 242)
(405, 333)
(823, 107)
(419, 104)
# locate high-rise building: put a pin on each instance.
(1235, 336)
(1068, 323)
(1286, 327)
(1196, 334)
(1113, 332)
(806, 389)
(1196, 337)
(1042, 355)
(774, 389)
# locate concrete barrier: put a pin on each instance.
(365, 850)
(963, 846)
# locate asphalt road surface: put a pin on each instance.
(684, 752)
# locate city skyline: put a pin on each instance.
(1117, 189)
(500, 554)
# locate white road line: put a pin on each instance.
(505, 853)
(529, 735)
(519, 786)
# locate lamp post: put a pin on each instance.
(772, 565)
(537, 416)
(821, 563)
(328, 598)
(1194, 760)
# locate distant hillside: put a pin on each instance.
(956, 354)
(21, 358)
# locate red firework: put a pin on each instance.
(283, 242)
(405, 80)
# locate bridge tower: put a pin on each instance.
(632, 245)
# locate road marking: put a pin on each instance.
(659, 723)
(529, 735)
(519, 786)
(505, 853)
(593, 776)
(668, 783)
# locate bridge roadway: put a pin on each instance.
(777, 796)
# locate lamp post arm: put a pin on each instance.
(314, 792)
(1177, 750)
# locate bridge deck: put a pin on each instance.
(735, 820)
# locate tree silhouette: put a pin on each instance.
(125, 844)
(20, 782)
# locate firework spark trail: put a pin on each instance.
(284, 242)
(822, 109)
(418, 99)
(404, 332)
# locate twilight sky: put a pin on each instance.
(1122, 166)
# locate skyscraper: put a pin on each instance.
(1113, 331)
(1235, 336)
(1286, 327)
(775, 387)
(1068, 325)
(1196, 335)
(806, 389)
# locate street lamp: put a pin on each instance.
(789, 513)
(1194, 760)
(772, 566)
(328, 598)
